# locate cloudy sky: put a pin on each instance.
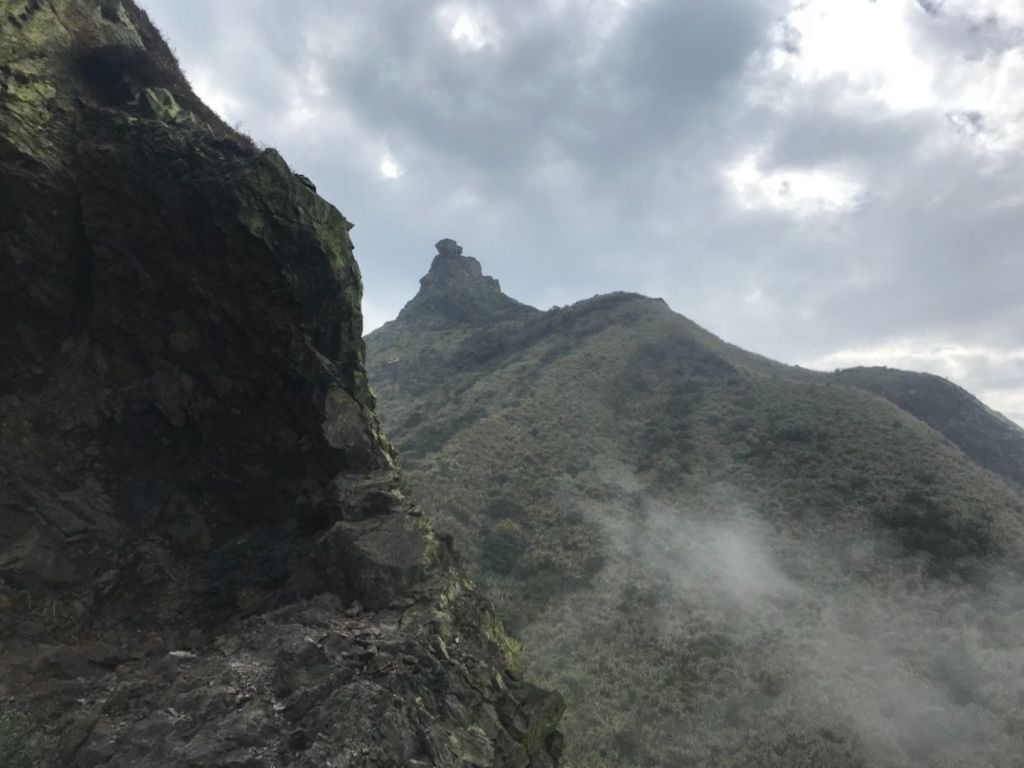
(827, 182)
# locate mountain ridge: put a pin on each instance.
(685, 534)
(987, 436)
(448, 291)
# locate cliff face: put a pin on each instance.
(206, 555)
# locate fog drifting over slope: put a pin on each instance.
(895, 667)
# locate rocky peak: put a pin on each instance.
(456, 291)
(448, 248)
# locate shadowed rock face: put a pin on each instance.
(206, 555)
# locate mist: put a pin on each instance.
(879, 662)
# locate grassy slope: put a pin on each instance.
(721, 560)
(988, 437)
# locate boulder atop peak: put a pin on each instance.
(448, 247)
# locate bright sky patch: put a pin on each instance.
(220, 100)
(467, 29)
(889, 53)
(867, 43)
(389, 169)
(797, 191)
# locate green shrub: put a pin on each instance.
(502, 549)
(16, 748)
(500, 508)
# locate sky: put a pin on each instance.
(827, 182)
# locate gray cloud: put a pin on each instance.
(583, 146)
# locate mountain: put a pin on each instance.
(721, 560)
(455, 290)
(207, 555)
(991, 439)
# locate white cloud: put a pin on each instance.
(389, 169)
(468, 28)
(1008, 11)
(797, 191)
(216, 97)
(988, 92)
(893, 55)
(954, 358)
(308, 101)
(868, 43)
(374, 316)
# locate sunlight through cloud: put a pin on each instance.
(389, 169)
(867, 43)
(468, 29)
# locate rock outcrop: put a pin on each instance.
(456, 290)
(206, 554)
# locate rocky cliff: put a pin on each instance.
(206, 554)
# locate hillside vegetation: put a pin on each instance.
(720, 560)
(989, 438)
